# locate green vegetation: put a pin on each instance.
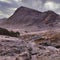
(9, 33)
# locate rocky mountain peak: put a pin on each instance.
(30, 17)
(22, 8)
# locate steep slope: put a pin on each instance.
(24, 15)
(29, 17)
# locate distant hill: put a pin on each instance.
(30, 17)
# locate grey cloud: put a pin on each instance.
(5, 7)
(8, 5)
(35, 4)
(40, 4)
(57, 1)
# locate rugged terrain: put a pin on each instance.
(37, 36)
(31, 47)
(25, 17)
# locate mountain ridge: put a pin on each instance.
(30, 17)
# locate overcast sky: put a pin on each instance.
(7, 7)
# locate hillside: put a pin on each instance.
(24, 16)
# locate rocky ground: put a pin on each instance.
(27, 48)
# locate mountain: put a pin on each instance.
(30, 17)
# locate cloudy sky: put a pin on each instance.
(7, 7)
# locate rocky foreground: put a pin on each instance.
(20, 49)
